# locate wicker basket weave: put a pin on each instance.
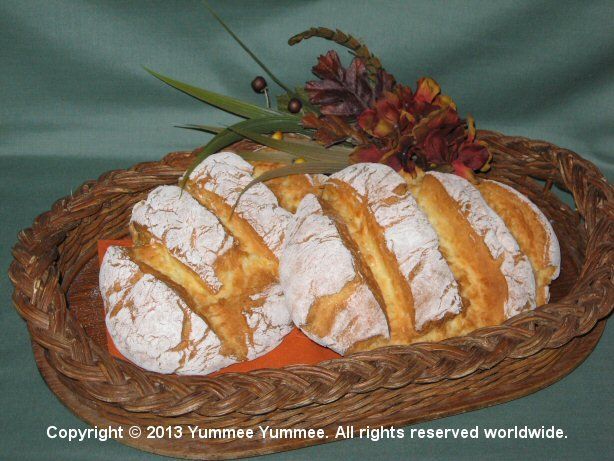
(365, 388)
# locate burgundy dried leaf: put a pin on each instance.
(370, 153)
(329, 67)
(395, 163)
(340, 91)
(473, 155)
(434, 147)
(357, 79)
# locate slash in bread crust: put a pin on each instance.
(400, 245)
(530, 228)
(329, 297)
(495, 278)
(289, 190)
(223, 268)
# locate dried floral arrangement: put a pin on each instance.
(358, 113)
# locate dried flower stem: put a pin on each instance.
(348, 41)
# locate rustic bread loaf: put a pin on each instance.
(222, 265)
(495, 277)
(326, 286)
(530, 228)
(151, 324)
(430, 253)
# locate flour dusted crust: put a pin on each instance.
(191, 233)
(268, 319)
(531, 229)
(151, 325)
(225, 174)
(320, 279)
(204, 266)
(409, 237)
(422, 259)
(514, 265)
(312, 242)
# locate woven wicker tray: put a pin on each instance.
(55, 278)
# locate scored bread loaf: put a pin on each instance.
(530, 228)
(434, 256)
(222, 266)
(495, 277)
(150, 324)
(330, 297)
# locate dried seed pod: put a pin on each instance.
(295, 105)
(259, 84)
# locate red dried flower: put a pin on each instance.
(443, 138)
(422, 127)
(388, 122)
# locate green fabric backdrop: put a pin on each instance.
(75, 101)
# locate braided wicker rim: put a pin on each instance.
(61, 241)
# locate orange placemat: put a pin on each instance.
(295, 349)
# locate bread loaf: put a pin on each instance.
(222, 266)
(429, 254)
(151, 325)
(531, 229)
(328, 291)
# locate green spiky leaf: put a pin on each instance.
(205, 128)
(247, 50)
(308, 149)
(226, 103)
(266, 156)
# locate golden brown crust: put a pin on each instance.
(368, 344)
(289, 190)
(482, 285)
(528, 229)
(343, 203)
(222, 310)
(325, 309)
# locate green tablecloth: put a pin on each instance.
(75, 101)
